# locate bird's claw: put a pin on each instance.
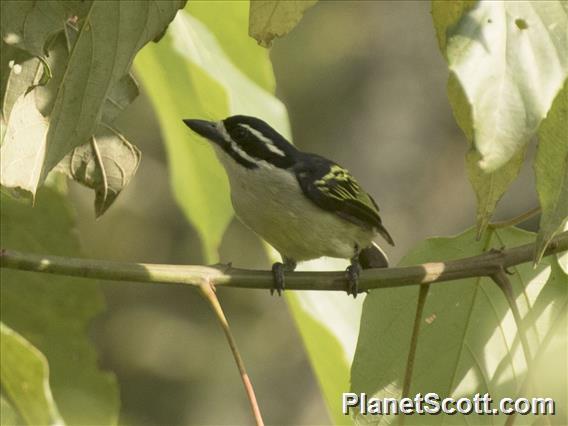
(352, 274)
(278, 273)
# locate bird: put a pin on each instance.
(302, 204)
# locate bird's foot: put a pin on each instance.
(352, 274)
(279, 284)
(278, 270)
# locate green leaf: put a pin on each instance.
(100, 54)
(8, 414)
(31, 25)
(328, 324)
(468, 340)
(105, 164)
(563, 257)
(269, 19)
(23, 147)
(489, 187)
(22, 73)
(511, 59)
(24, 375)
(107, 169)
(121, 95)
(53, 312)
(446, 15)
(551, 169)
(188, 75)
(239, 47)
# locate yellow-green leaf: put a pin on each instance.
(53, 312)
(269, 19)
(489, 187)
(100, 52)
(241, 49)
(24, 374)
(511, 59)
(468, 341)
(188, 75)
(551, 169)
(328, 324)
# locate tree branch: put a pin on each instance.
(486, 264)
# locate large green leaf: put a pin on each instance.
(329, 325)
(31, 25)
(108, 35)
(53, 312)
(551, 168)
(239, 47)
(8, 414)
(511, 59)
(24, 375)
(269, 19)
(188, 75)
(489, 187)
(107, 161)
(468, 340)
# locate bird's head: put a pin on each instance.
(249, 141)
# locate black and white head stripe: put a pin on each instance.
(253, 143)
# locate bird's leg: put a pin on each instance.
(352, 273)
(278, 270)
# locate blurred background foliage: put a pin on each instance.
(365, 85)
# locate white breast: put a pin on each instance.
(271, 203)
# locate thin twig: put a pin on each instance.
(208, 293)
(486, 264)
(423, 293)
(515, 220)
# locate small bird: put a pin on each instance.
(302, 204)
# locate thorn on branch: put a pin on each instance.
(502, 280)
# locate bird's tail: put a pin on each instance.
(373, 257)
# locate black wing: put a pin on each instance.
(332, 188)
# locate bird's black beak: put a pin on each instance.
(207, 129)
